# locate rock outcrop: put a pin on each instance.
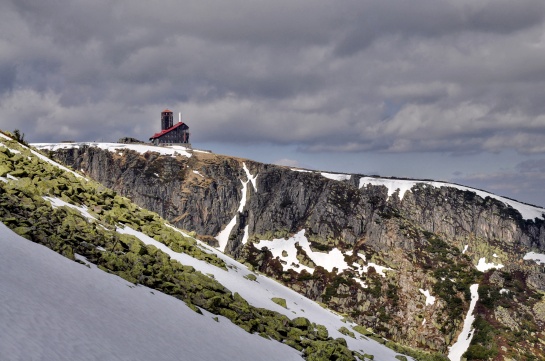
(422, 235)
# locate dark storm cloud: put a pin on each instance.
(389, 76)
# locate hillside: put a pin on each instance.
(405, 258)
(56, 309)
(131, 286)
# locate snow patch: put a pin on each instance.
(533, 256)
(8, 177)
(223, 236)
(380, 269)
(483, 266)
(335, 176)
(286, 251)
(250, 177)
(57, 202)
(465, 249)
(391, 184)
(173, 150)
(246, 236)
(430, 300)
(244, 195)
(197, 173)
(504, 290)
(333, 259)
(464, 339)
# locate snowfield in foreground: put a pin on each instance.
(56, 309)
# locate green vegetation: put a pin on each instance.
(345, 331)
(251, 277)
(417, 354)
(483, 345)
(20, 137)
(279, 301)
(363, 330)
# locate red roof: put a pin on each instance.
(163, 132)
(167, 111)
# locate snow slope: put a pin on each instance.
(57, 309)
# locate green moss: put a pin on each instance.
(301, 323)
(251, 277)
(345, 331)
(279, 301)
(416, 354)
(363, 330)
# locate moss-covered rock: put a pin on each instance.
(345, 331)
(280, 301)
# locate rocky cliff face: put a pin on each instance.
(430, 238)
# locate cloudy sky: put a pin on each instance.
(448, 90)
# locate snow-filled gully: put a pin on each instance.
(464, 339)
(223, 236)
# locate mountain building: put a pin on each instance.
(170, 133)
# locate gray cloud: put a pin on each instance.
(459, 77)
(523, 182)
